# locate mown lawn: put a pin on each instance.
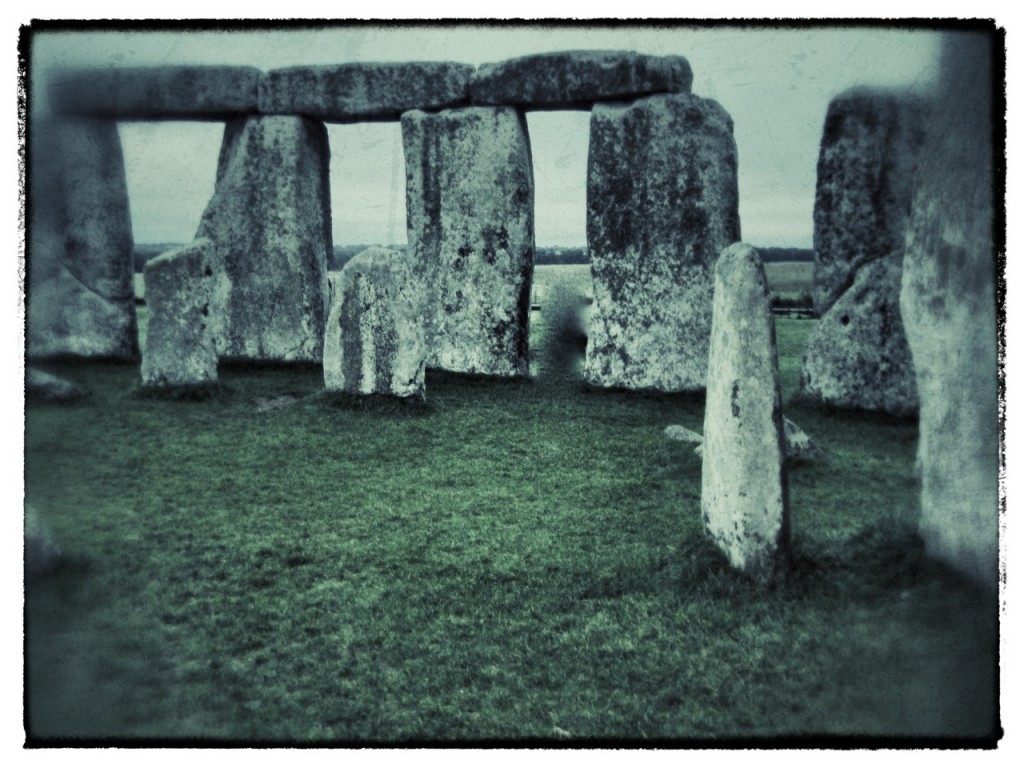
(517, 562)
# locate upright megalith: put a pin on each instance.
(80, 277)
(270, 223)
(857, 356)
(578, 79)
(182, 288)
(375, 342)
(364, 91)
(949, 309)
(662, 203)
(469, 188)
(744, 495)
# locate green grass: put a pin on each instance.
(517, 561)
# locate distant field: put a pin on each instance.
(790, 278)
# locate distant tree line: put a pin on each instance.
(542, 255)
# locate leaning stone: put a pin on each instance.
(375, 342)
(42, 553)
(676, 432)
(183, 287)
(364, 91)
(869, 149)
(662, 204)
(949, 310)
(80, 247)
(798, 444)
(44, 387)
(578, 79)
(857, 354)
(142, 93)
(744, 497)
(470, 218)
(270, 222)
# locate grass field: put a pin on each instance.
(520, 561)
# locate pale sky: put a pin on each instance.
(775, 82)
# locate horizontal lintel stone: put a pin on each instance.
(578, 79)
(201, 92)
(364, 91)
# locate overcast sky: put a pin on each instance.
(775, 82)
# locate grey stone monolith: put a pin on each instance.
(270, 222)
(375, 342)
(183, 288)
(578, 79)
(744, 495)
(662, 203)
(469, 196)
(857, 355)
(153, 93)
(949, 310)
(364, 91)
(80, 291)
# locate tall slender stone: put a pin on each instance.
(470, 217)
(270, 222)
(662, 203)
(744, 494)
(375, 342)
(181, 287)
(949, 308)
(80, 278)
(857, 355)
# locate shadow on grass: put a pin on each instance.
(378, 404)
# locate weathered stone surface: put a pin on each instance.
(798, 444)
(80, 245)
(857, 354)
(375, 341)
(578, 79)
(866, 164)
(270, 221)
(364, 91)
(157, 92)
(676, 432)
(45, 387)
(469, 187)
(42, 553)
(183, 287)
(744, 496)
(949, 309)
(662, 202)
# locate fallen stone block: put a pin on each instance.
(182, 288)
(676, 432)
(47, 388)
(42, 553)
(470, 217)
(375, 342)
(744, 496)
(578, 79)
(364, 91)
(152, 93)
(662, 203)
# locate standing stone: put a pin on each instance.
(80, 289)
(181, 288)
(270, 222)
(857, 356)
(744, 495)
(469, 187)
(662, 203)
(42, 553)
(949, 308)
(375, 342)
